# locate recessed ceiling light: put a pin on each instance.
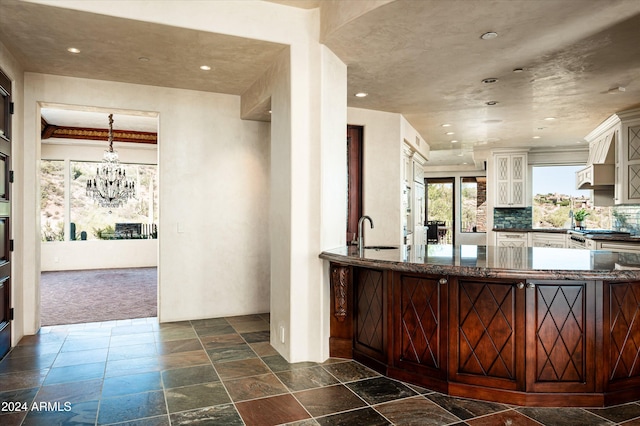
(489, 35)
(73, 50)
(491, 103)
(454, 141)
(446, 125)
(536, 137)
(490, 80)
(205, 67)
(269, 111)
(549, 118)
(518, 69)
(143, 59)
(465, 163)
(615, 90)
(361, 95)
(450, 133)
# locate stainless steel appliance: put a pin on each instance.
(578, 238)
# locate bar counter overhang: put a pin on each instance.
(526, 326)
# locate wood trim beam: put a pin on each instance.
(88, 133)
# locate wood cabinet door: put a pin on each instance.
(486, 332)
(5, 215)
(560, 336)
(420, 321)
(622, 335)
(370, 319)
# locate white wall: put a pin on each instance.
(193, 278)
(334, 175)
(98, 254)
(307, 91)
(214, 187)
(384, 135)
(308, 200)
(382, 170)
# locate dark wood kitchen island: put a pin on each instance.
(526, 326)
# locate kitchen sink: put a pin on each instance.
(380, 247)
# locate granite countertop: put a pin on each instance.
(496, 262)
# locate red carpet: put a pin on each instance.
(71, 297)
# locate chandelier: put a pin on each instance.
(110, 186)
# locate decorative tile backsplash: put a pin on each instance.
(626, 218)
(513, 218)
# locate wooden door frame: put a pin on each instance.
(6, 313)
(355, 137)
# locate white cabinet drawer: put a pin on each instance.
(511, 239)
(547, 239)
(618, 246)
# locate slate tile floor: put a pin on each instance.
(224, 372)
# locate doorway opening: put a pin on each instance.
(97, 263)
(440, 208)
(354, 181)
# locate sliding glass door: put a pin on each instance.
(440, 208)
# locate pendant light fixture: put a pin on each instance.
(110, 186)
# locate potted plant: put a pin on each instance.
(579, 217)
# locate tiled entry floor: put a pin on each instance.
(224, 372)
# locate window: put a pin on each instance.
(555, 196)
(52, 207)
(137, 218)
(90, 221)
(473, 204)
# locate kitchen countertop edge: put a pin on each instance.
(353, 259)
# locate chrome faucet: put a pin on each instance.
(361, 233)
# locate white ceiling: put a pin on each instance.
(424, 59)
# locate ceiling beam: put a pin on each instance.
(88, 133)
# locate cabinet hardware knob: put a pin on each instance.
(443, 281)
(520, 286)
(531, 285)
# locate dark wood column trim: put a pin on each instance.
(342, 311)
(340, 282)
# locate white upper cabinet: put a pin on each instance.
(628, 156)
(418, 167)
(511, 179)
(407, 164)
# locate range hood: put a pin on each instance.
(599, 174)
